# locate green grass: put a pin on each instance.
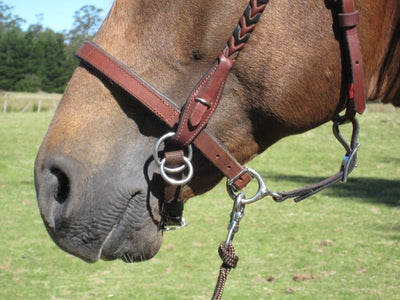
(343, 243)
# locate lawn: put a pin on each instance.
(343, 243)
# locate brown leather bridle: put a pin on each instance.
(188, 124)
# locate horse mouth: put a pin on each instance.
(136, 235)
(128, 258)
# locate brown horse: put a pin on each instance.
(96, 183)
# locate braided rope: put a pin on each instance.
(245, 27)
(229, 261)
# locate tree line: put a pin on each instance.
(39, 59)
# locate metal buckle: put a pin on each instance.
(165, 170)
(176, 227)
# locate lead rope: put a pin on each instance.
(226, 250)
(229, 261)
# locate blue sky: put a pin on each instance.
(56, 14)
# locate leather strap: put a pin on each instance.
(204, 99)
(93, 56)
(348, 21)
(116, 72)
(173, 204)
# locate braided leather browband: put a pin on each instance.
(205, 97)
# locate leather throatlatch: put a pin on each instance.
(348, 21)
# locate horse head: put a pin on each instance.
(98, 188)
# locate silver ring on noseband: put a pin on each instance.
(164, 170)
(173, 181)
(158, 161)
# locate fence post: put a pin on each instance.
(26, 107)
(5, 106)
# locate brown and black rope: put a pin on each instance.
(229, 261)
(245, 27)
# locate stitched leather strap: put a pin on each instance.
(348, 21)
(93, 56)
(203, 101)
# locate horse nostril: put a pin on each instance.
(63, 187)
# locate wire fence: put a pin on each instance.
(28, 102)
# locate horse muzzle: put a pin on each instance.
(91, 217)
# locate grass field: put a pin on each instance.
(343, 243)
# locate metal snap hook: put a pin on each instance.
(262, 191)
(350, 158)
(236, 215)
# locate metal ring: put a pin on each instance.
(158, 161)
(262, 191)
(158, 143)
(173, 181)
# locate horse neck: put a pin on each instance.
(383, 59)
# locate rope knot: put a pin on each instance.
(228, 256)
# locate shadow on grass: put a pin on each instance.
(373, 190)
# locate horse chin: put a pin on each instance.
(135, 237)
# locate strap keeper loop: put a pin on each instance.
(348, 20)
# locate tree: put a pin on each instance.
(7, 19)
(13, 58)
(86, 23)
(12, 48)
(41, 59)
(54, 71)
